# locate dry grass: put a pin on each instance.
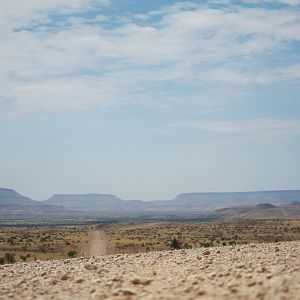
(46, 243)
(42, 243)
(130, 238)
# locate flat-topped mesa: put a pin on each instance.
(86, 201)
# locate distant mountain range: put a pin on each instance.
(187, 201)
(12, 203)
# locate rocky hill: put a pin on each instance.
(10, 197)
(259, 211)
(13, 204)
(255, 271)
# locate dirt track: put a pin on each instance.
(98, 245)
(260, 271)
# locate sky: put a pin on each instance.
(149, 99)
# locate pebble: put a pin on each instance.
(251, 273)
(65, 277)
(141, 281)
(90, 267)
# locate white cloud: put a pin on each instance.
(82, 64)
(287, 2)
(18, 13)
(256, 127)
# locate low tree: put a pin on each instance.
(9, 258)
(72, 253)
(175, 244)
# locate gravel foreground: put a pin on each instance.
(256, 271)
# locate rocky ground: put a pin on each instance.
(261, 271)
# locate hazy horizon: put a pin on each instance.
(158, 199)
(149, 99)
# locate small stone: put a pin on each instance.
(90, 267)
(53, 281)
(65, 277)
(206, 252)
(116, 278)
(262, 270)
(141, 281)
(201, 292)
(251, 283)
(189, 289)
(127, 292)
(261, 295)
(240, 266)
(79, 280)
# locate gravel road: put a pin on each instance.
(98, 244)
(261, 271)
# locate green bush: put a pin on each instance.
(206, 245)
(23, 257)
(72, 253)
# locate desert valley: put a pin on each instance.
(149, 150)
(93, 249)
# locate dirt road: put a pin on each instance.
(98, 244)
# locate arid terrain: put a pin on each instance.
(256, 271)
(29, 243)
(131, 238)
(241, 259)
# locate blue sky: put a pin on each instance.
(148, 99)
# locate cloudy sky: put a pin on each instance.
(148, 99)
